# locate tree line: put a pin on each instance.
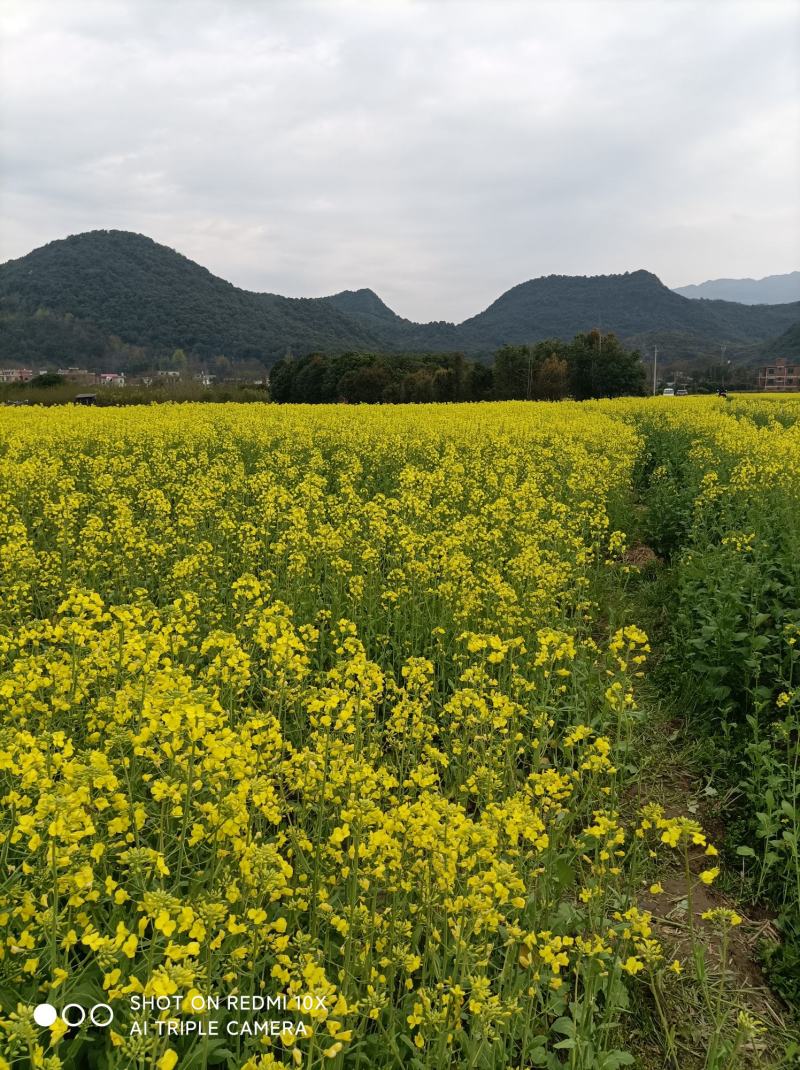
(591, 365)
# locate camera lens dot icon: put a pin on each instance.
(45, 1014)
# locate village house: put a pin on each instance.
(779, 376)
(76, 375)
(16, 375)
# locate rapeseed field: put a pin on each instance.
(319, 726)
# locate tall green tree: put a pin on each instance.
(601, 367)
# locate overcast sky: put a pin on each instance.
(437, 152)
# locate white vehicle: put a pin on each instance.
(668, 392)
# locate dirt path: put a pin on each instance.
(670, 776)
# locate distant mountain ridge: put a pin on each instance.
(122, 299)
(771, 290)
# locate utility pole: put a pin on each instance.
(655, 366)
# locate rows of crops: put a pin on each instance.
(723, 489)
(342, 706)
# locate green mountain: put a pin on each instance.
(118, 299)
(637, 307)
(785, 345)
(364, 305)
(400, 334)
(126, 285)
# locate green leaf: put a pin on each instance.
(615, 1059)
(564, 873)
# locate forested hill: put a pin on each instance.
(634, 304)
(150, 296)
(786, 345)
(117, 297)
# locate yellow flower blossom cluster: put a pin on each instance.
(316, 702)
